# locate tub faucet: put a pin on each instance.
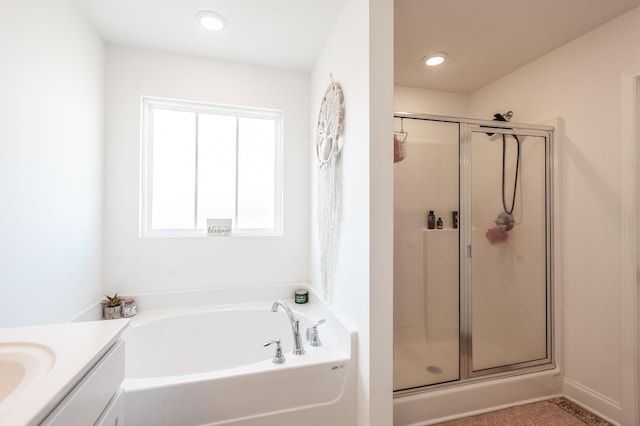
(295, 327)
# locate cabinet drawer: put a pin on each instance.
(113, 415)
(88, 399)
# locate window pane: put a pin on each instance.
(173, 196)
(216, 167)
(206, 161)
(256, 171)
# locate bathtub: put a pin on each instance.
(208, 366)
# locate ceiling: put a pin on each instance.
(282, 33)
(486, 39)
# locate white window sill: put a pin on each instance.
(203, 234)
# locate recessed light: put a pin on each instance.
(435, 59)
(211, 20)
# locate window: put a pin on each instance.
(202, 161)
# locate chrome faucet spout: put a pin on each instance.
(298, 349)
(274, 308)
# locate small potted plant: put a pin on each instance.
(112, 307)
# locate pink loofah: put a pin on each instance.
(496, 235)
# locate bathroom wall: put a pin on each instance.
(424, 101)
(133, 264)
(580, 83)
(359, 54)
(51, 134)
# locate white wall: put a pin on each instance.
(133, 264)
(51, 132)
(580, 82)
(424, 101)
(359, 54)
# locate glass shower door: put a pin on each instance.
(426, 261)
(509, 251)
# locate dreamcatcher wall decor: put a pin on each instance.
(328, 146)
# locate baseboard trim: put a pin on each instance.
(588, 399)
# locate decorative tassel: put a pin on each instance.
(329, 129)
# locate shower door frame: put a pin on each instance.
(466, 128)
(466, 250)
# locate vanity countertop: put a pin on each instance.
(46, 362)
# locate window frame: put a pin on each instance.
(147, 105)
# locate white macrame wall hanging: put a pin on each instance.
(328, 146)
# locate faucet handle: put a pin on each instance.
(312, 334)
(278, 358)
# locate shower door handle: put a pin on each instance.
(469, 250)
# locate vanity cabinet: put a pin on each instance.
(98, 398)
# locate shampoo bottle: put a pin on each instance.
(431, 220)
(439, 223)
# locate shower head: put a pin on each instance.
(503, 117)
(500, 117)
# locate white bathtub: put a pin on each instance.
(208, 366)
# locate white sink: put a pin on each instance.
(22, 365)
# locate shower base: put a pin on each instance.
(433, 405)
(417, 362)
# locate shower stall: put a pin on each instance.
(473, 295)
